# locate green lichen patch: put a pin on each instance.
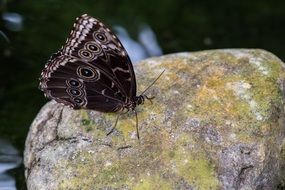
(193, 165)
(153, 182)
(86, 122)
(89, 173)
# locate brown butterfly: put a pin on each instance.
(92, 71)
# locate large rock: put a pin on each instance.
(217, 122)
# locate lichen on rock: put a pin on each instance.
(217, 122)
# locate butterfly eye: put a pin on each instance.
(85, 54)
(74, 92)
(73, 83)
(78, 100)
(92, 47)
(101, 37)
(87, 73)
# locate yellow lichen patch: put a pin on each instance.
(127, 125)
(86, 172)
(173, 67)
(266, 93)
(152, 182)
(113, 176)
(180, 64)
(245, 136)
(267, 127)
(265, 82)
(79, 175)
(214, 97)
(193, 166)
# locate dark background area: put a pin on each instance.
(180, 25)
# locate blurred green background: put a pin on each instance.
(180, 25)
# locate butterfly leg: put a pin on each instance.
(111, 131)
(122, 113)
(137, 125)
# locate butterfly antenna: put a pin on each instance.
(153, 82)
(111, 131)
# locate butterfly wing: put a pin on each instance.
(92, 70)
(91, 41)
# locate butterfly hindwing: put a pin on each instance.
(80, 85)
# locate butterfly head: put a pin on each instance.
(139, 100)
(130, 105)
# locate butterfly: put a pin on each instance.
(92, 71)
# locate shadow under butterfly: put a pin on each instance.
(93, 71)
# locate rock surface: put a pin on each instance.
(217, 122)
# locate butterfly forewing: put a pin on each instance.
(92, 70)
(92, 41)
